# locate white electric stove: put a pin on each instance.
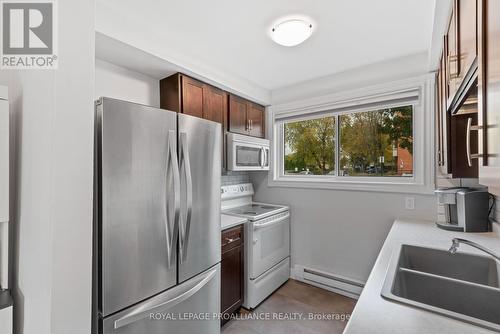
(267, 241)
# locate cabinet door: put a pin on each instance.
(214, 104)
(192, 97)
(215, 109)
(467, 36)
(458, 135)
(489, 93)
(238, 109)
(445, 130)
(232, 280)
(452, 58)
(256, 120)
(439, 120)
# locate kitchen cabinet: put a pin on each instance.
(456, 92)
(214, 104)
(443, 118)
(256, 120)
(246, 117)
(238, 110)
(451, 56)
(232, 266)
(439, 122)
(489, 94)
(192, 97)
(461, 49)
(186, 95)
(467, 37)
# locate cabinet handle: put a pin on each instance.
(470, 128)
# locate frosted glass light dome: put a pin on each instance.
(291, 32)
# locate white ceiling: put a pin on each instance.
(230, 36)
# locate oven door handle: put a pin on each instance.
(263, 225)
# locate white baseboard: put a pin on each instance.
(332, 282)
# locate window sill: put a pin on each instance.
(400, 186)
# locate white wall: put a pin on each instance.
(123, 84)
(52, 132)
(340, 232)
(386, 71)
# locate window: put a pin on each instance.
(377, 139)
(310, 147)
(372, 143)
(377, 143)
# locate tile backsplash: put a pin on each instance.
(230, 178)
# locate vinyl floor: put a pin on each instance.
(295, 308)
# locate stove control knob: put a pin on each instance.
(241, 188)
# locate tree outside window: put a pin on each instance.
(373, 143)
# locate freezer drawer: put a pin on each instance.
(189, 308)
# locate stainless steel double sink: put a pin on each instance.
(461, 285)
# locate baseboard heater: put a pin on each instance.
(335, 283)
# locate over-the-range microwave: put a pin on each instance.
(245, 153)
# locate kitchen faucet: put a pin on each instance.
(457, 241)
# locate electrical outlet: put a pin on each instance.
(410, 203)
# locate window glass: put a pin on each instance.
(377, 143)
(309, 147)
(372, 143)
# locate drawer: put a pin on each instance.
(231, 238)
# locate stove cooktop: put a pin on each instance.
(255, 210)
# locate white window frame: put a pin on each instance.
(422, 181)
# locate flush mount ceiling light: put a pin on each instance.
(291, 32)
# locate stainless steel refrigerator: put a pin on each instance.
(157, 221)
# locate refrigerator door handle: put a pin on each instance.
(172, 173)
(162, 303)
(185, 224)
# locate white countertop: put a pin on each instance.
(374, 315)
(227, 221)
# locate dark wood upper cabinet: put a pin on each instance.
(256, 115)
(232, 268)
(246, 117)
(489, 94)
(238, 109)
(214, 104)
(186, 95)
(467, 37)
(192, 97)
(452, 58)
(457, 83)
